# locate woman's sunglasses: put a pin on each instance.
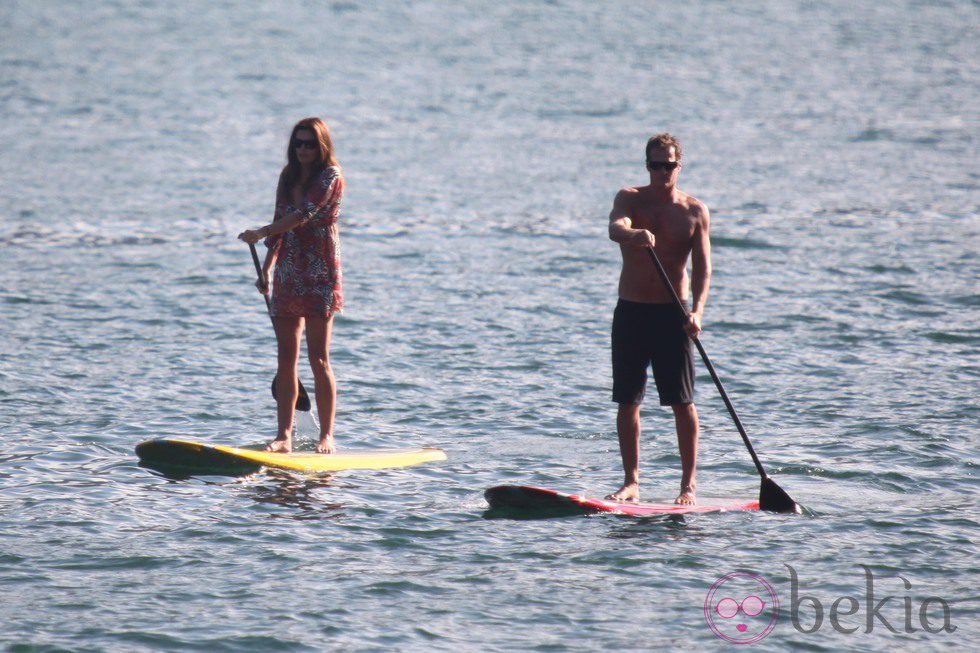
(305, 143)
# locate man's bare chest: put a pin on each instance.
(672, 222)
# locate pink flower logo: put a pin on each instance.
(741, 608)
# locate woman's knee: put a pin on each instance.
(320, 364)
(288, 353)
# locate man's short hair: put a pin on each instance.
(663, 141)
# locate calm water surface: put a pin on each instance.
(836, 146)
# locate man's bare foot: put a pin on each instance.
(280, 445)
(630, 493)
(326, 445)
(686, 497)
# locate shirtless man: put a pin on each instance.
(647, 327)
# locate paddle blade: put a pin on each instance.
(774, 498)
(302, 400)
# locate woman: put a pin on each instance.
(304, 249)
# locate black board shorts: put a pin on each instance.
(651, 334)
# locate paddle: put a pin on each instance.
(303, 400)
(771, 496)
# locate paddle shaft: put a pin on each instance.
(258, 271)
(707, 364)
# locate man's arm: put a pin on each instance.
(700, 269)
(621, 226)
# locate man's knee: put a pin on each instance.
(629, 407)
(684, 409)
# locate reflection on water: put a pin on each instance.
(547, 512)
(655, 525)
(289, 490)
(282, 488)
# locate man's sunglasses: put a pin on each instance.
(664, 166)
(305, 143)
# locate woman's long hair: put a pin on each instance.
(292, 172)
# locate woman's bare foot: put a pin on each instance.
(326, 445)
(630, 493)
(686, 497)
(280, 445)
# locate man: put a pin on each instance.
(647, 327)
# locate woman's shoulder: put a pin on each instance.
(330, 177)
(330, 172)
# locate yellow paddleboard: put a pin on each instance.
(194, 457)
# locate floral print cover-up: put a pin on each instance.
(307, 278)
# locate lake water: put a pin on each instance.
(836, 146)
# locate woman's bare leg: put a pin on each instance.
(318, 332)
(289, 330)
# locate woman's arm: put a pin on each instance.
(252, 236)
(272, 244)
(280, 226)
(326, 200)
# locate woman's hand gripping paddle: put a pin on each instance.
(303, 400)
(771, 496)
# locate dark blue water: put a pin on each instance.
(836, 146)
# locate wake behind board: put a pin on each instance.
(527, 499)
(196, 458)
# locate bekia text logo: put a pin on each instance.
(741, 608)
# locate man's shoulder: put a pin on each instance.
(691, 203)
(625, 199)
(627, 192)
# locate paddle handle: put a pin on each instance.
(258, 271)
(707, 364)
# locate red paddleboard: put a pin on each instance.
(527, 498)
